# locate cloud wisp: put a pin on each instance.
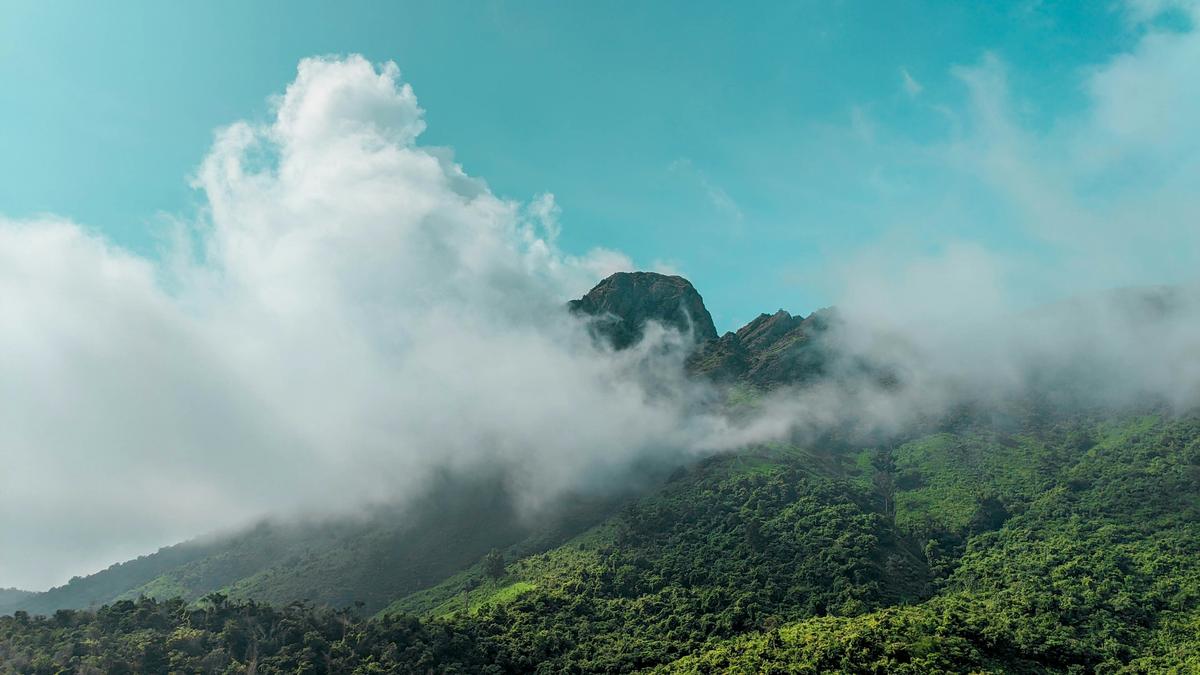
(1105, 196)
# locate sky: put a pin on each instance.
(262, 259)
(748, 147)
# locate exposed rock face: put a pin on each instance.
(772, 350)
(626, 301)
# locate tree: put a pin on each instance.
(885, 479)
(493, 564)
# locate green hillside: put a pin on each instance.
(1070, 545)
(12, 595)
(1100, 571)
(365, 561)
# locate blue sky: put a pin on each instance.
(757, 148)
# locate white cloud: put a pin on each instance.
(1138, 12)
(357, 311)
(1110, 188)
(1101, 197)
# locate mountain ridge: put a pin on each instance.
(770, 351)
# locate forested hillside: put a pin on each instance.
(1040, 545)
(365, 560)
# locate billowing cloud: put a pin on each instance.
(349, 311)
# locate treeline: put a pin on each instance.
(219, 636)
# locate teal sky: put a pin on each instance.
(750, 146)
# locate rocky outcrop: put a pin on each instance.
(771, 350)
(625, 302)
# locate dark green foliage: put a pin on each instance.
(220, 636)
(713, 556)
(493, 564)
(1099, 572)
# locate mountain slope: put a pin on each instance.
(13, 595)
(954, 552)
(1100, 571)
(370, 559)
(771, 350)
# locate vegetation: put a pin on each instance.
(1034, 545)
(371, 559)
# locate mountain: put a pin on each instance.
(13, 595)
(624, 303)
(1025, 538)
(771, 350)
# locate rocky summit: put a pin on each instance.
(626, 301)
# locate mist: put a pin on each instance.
(350, 312)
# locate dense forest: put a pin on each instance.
(1017, 543)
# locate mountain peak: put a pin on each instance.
(626, 301)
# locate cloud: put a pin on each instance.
(1109, 189)
(349, 311)
(716, 195)
(910, 84)
(1140, 12)
(1100, 197)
